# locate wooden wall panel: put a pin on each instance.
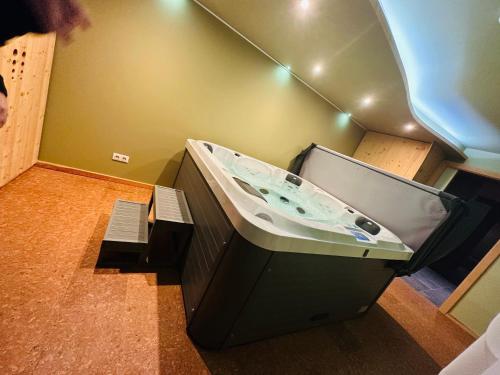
(25, 64)
(431, 163)
(401, 156)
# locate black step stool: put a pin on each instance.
(155, 234)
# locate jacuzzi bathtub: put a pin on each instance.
(272, 253)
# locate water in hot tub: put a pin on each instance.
(270, 182)
(284, 202)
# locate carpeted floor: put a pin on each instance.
(431, 285)
(61, 315)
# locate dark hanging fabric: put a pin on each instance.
(3, 89)
(16, 19)
(296, 164)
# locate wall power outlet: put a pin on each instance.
(120, 157)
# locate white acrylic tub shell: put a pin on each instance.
(326, 227)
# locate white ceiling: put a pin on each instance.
(348, 41)
(450, 53)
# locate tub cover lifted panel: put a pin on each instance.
(431, 222)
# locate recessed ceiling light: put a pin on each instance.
(304, 4)
(367, 101)
(288, 67)
(409, 126)
(317, 69)
(348, 114)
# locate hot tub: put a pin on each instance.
(272, 253)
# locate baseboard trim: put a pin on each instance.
(85, 173)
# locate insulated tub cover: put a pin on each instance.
(429, 221)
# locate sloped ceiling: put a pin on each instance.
(348, 41)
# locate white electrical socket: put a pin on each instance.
(120, 157)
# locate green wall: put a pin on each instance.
(481, 303)
(150, 74)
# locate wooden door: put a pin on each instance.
(25, 64)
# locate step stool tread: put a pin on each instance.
(128, 223)
(171, 205)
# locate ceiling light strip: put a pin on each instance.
(446, 138)
(277, 62)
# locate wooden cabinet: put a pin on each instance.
(25, 64)
(404, 157)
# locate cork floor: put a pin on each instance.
(58, 314)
